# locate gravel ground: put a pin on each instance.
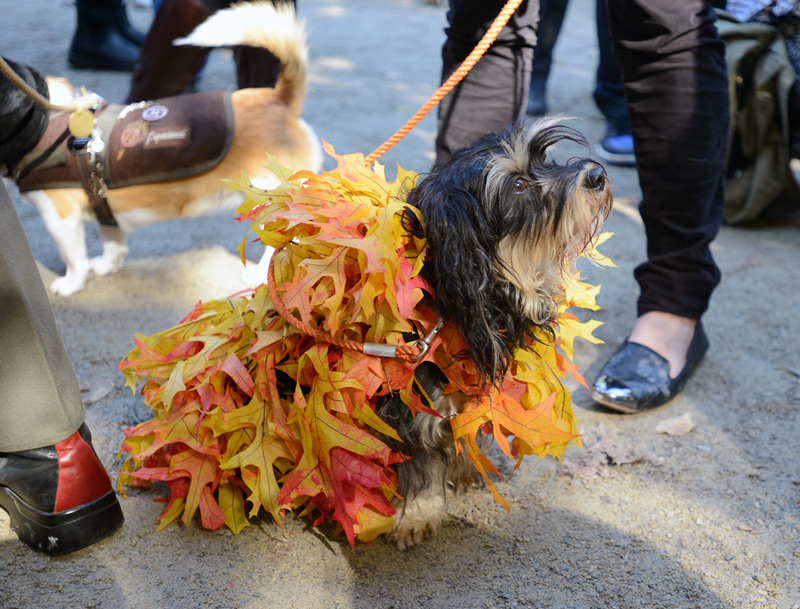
(707, 520)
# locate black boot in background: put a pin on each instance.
(103, 37)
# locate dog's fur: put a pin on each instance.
(267, 121)
(501, 220)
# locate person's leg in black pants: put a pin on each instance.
(673, 65)
(609, 95)
(551, 18)
(495, 92)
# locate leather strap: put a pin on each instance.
(91, 171)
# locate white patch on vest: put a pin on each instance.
(167, 138)
(155, 113)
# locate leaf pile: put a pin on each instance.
(250, 413)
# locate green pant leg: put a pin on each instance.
(40, 402)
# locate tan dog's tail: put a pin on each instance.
(261, 24)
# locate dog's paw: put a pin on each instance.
(417, 518)
(67, 285)
(408, 536)
(101, 265)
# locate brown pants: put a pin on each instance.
(495, 92)
(40, 402)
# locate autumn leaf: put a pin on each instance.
(594, 462)
(231, 502)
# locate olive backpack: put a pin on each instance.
(759, 77)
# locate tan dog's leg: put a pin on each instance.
(115, 249)
(420, 515)
(70, 237)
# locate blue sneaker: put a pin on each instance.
(617, 149)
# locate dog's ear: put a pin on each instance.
(461, 266)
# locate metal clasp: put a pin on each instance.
(428, 338)
(384, 350)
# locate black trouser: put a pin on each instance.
(673, 65)
(608, 90)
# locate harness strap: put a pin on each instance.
(91, 171)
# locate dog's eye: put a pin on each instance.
(520, 186)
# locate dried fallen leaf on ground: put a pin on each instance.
(677, 427)
(593, 462)
(95, 392)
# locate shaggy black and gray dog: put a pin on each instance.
(501, 219)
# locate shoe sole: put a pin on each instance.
(600, 399)
(62, 532)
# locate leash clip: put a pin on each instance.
(383, 350)
(428, 338)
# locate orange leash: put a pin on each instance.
(455, 78)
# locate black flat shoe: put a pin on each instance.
(637, 378)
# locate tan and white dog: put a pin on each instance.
(265, 121)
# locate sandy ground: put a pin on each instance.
(707, 520)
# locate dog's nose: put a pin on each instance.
(596, 178)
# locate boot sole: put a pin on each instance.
(62, 532)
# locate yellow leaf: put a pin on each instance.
(174, 384)
(595, 256)
(170, 514)
(231, 501)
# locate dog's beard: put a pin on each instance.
(534, 258)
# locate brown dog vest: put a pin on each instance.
(168, 139)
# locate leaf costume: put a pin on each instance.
(250, 412)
